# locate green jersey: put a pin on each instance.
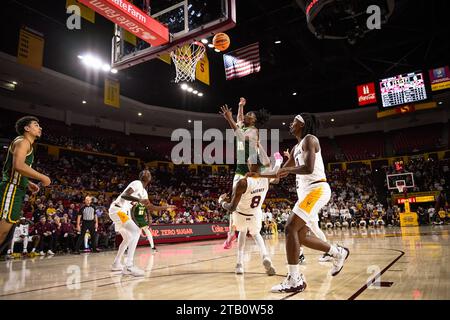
(139, 213)
(9, 175)
(242, 148)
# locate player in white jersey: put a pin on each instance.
(313, 193)
(119, 212)
(315, 228)
(22, 235)
(245, 204)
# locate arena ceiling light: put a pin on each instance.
(84, 102)
(15, 83)
(211, 45)
(93, 62)
(332, 119)
(205, 41)
(294, 93)
(189, 89)
(140, 114)
(278, 42)
(216, 50)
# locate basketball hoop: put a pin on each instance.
(185, 59)
(401, 186)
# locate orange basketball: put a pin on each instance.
(221, 41)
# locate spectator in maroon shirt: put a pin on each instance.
(45, 231)
(67, 235)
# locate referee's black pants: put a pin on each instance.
(87, 225)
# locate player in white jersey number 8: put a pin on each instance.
(245, 204)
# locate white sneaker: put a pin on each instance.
(290, 285)
(338, 262)
(325, 258)
(25, 251)
(133, 271)
(50, 252)
(239, 269)
(42, 253)
(117, 267)
(267, 263)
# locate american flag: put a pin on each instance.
(242, 62)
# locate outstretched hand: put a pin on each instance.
(283, 172)
(223, 197)
(226, 112)
(287, 153)
(242, 102)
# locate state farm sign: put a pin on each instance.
(132, 19)
(366, 94)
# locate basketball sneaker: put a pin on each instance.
(50, 253)
(325, 258)
(228, 245)
(117, 267)
(133, 271)
(239, 269)
(290, 284)
(267, 263)
(339, 260)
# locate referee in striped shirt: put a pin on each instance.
(89, 222)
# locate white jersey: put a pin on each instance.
(305, 180)
(253, 198)
(138, 192)
(21, 230)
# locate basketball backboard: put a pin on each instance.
(405, 180)
(187, 20)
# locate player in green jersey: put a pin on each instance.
(15, 176)
(247, 145)
(139, 212)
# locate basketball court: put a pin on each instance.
(384, 264)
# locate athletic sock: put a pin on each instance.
(293, 270)
(333, 251)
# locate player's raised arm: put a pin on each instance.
(152, 207)
(240, 189)
(226, 113)
(21, 149)
(240, 116)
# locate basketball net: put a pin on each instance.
(185, 60)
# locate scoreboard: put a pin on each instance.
(403, 89)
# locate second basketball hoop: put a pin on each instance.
(185, 59)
